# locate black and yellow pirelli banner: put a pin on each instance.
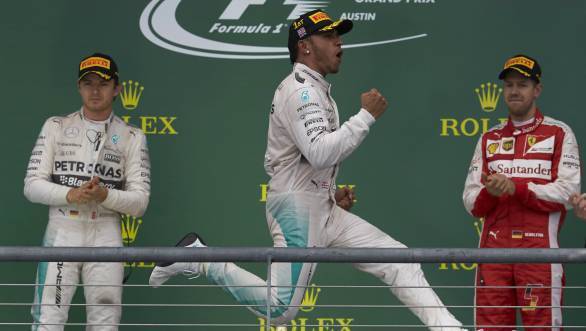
(198, 78)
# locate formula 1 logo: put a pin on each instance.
(250, 29)
(236, 8)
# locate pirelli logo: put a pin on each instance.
(318, 17)
(520, 60)
(95, 62)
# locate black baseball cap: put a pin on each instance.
(525, 65)
(101, 64)
(313, 22)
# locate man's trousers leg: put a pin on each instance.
(506, 286)
(104, 302)
(54, 291)
(289, 222)
(540, 285)
(495, 298)
(345, 229)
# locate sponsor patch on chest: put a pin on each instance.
(112, 158)
(539, 144)
(540, 169)
(503, 146)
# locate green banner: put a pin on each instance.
(198, 79)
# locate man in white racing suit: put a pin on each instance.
(305, 146)
(88, 167)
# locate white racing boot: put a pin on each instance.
(163, 271)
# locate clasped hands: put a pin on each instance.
(88, 192)
(498, 184)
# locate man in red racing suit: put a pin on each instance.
(520, 180)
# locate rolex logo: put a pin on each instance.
(130, 94)
(310, 298)
(130, 225)
(488, 95)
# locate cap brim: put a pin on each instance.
(99, 73)
(519, 70)
(342, 26)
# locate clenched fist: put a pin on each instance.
(374, 103)
(345, 197)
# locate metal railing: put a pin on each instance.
(271, 255)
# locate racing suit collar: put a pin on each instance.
(510, 129)
(313, 75)
(108, 120)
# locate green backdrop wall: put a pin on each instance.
(205, 108)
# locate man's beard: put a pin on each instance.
(520, 112)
